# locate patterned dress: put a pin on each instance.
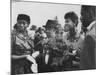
(74, 46)
(20, 45)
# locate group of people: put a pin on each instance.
(52, 48)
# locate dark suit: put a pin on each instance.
(88, 54)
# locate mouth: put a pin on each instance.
(66, 29)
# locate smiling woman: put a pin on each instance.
(46, 37)
(40, 12)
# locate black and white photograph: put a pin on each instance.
(52, 37)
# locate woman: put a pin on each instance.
(21, 46)
(72, 39)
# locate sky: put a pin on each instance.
(41, 12)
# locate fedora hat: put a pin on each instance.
(51, 24)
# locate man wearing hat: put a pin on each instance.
(52, 50)
(51, 27)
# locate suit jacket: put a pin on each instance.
(88, 54)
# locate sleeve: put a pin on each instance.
(15, 49)
(12, 43)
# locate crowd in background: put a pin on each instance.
(53, 48)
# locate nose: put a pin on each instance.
(66, 25)
(21, 25)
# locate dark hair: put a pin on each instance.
(73, 16)
(39, 30)
(24, 17)
(88, 14)
(15, 26)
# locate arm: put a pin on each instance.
(69, 53)
(72, 54)
(18, 56)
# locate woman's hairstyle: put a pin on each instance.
(15, 26)
(73, 16)
(24, 17)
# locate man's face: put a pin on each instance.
(22, 25)
(68, 24)
(50, 32)
(84, 19)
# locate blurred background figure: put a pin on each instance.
(59, 29)
(38, 38)
(88, 54)
(31, 31)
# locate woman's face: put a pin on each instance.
(68, 24)
(22, 25)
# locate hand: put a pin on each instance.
(31, 59)
(35, 54)
(34, 68)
